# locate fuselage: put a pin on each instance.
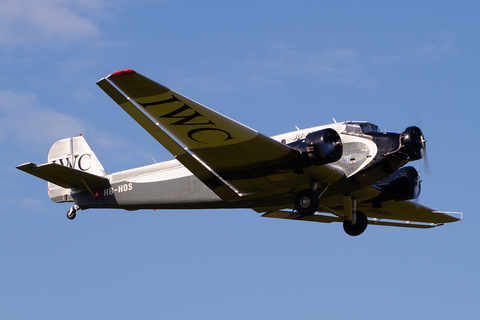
(169, 185)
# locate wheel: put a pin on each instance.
(357, 228)
(72, 213)
(306, 202)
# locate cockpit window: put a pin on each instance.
(353, 129)
(361, 128)
(369, 128)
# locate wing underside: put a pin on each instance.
(392, 213)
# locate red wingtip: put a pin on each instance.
(121, 73)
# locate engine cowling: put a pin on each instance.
(403, 184)
(414, 142)
(323, 146)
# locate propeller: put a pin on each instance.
(424, 169)
(417, 188)
(425, 164)
(416, 147)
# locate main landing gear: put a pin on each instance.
(356, 228)
(307, 201)
(354, 222)
(72, 213)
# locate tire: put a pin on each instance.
(71, 214)
(359, 227)
(306, 202)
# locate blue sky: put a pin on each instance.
(271, 66)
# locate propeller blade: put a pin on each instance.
(426, 164)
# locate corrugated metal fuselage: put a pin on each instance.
(169, 185)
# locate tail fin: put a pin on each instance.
(71, 164)
(73, 153)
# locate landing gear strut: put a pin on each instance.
(72, 213)
(354, 222)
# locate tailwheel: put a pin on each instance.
(72, 213)
(358, 227)
(306, 202)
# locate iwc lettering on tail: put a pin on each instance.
(81, 162)
(184, 116)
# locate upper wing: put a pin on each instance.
(222, 143)
(248, 160)
(200, 171)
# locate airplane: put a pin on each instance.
(346, 172)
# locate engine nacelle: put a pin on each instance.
(323, 146)
(403, 184)
(413, 142)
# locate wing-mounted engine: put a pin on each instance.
(324, 146)
(320, 147)
(403, 184)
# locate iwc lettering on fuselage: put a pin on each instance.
(183, 116)
(299, 136)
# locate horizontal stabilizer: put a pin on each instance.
(63, 176)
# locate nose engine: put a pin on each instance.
(413, 142)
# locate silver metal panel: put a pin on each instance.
(354, 156)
